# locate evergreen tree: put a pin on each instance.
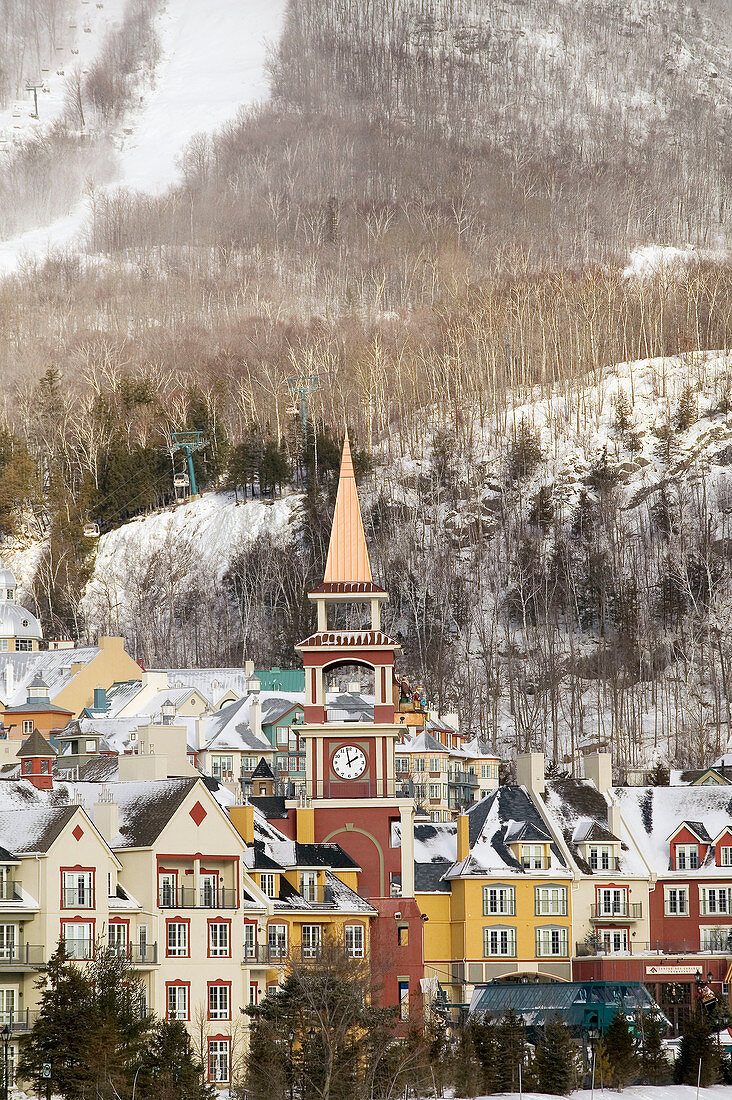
(268, 1067)
(623, 413)
(169, 1069)
(655, 1067)
(698, 1043)
(658, 776)
(686, 412)
(466, 1064)
(619, 1046)
(485, 1042)
(61, 1032)
(556, 1062)
(524, 455)
(511, 1050)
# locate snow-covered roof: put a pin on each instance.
(651, 815)
(55, 665)
(32, 831)
(579, 812)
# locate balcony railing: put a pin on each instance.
(9, 890)
(622, 911)
(463, 779)
(24, 954)
(78, 899)
(187, 897)
(138, 955)
(670, 948)
(19, 1021)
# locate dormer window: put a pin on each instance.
(532, 857)
(687, 857)
(725, 857)
(268, 884)
(600, 856)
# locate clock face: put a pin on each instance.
(349, 762)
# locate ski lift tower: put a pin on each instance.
(188, 442)
(300, 388)
(34, 86)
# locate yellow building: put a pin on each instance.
(495, 890)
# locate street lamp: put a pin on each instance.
(5, 1032)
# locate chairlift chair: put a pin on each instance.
(181, 481)
(91, 530)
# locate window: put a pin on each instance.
(218, 1002)
(715, 899)
(499, 941)
(142, 942)
(600, 858)
(550, 901)
(486, 771)
(78, 889)
(218, 1060)
(118, 938)
(532, 856)
(23, 645)
(552, 941)
(209, 888)
(435, 765)
(311, 939)
(716, 939)
(167, 889)
(177, 938)
(277, 940)
(177, 1002)
(687, 857)
(78, 939)
(403, 935)
(309, 885)
(613, 940)
(676, 900)
(253, 993)
(222, 767)
(7, 942)
(354, 941)
(218, 939)
(268, 883)
(250, 941)
(7, 1006)
(3, 645)
(725, 857)
(403, 984)
(27, 726)
(420, 763)
(435, 790)
(612, 902)
(402, 764)
(499, 899)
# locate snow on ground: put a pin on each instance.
(214, 54)
(635, 1092)
(213, 63)
(199, 539)
(667, 261)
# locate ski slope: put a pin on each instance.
(213, 63)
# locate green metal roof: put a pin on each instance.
(581, 1005)
(281, 679)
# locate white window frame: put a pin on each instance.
(177, 945)
(27, 726)
(600, 857)
(612, 901)
(715, 937)
(672, 895)
(176, 1003)
(219, 939)
(355, 941)
(219, 1002)
(715, 900)
(687, 857)
(552, 942)
(313, 934)
(208, 888)
(309, 885)
(8, 942)
(268, 883)
(533, 857)
(78, 946)
(117, 937)
(167, 889)
(8, 1003)
(277, 940)
(725, 856)
(219, 1060)
(550, 901)
(250, 941)
(607, 938)
(499, 901)
(499, 941)
(78, 887)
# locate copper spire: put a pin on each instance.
(348, 558)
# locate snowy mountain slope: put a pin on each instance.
(193, 542)
(213, 64)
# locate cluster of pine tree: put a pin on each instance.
(94, 1031)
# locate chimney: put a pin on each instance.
(242, 818)
(255, 708)
(248, 669)
(105, 815)
(305, 824)
(100, 699)
(599, 768)
(614, 819)
(463, 837)
(530, 772)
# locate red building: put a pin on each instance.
(351, 785)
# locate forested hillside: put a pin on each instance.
(429, 224)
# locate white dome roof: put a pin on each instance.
(16, 622)
(7, 579)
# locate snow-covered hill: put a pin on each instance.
(213, 63)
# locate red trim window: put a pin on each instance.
(77, 887)
(119, 935)
(219, 1059)
(253, 993)
(612, 901)
(250, 939)
(219, 1000)
(177, 1000)
(178, 938)
(78, 937)
(219, 938)
(167, 889)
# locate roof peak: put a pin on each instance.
(348, 556)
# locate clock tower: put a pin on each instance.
(348, 757)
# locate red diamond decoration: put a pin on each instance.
(198, 813)
(78, 832)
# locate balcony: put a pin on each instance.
(187, 897)
(139, 955)
(721, 945)
(462, 779)
(318, 895)
(10, 890)
(622, 911)
(19, 1021)
(22, 955)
